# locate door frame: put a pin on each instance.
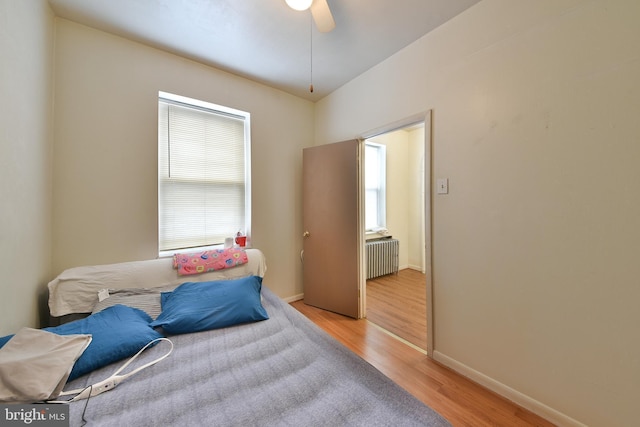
(425, 117)
(362, 260)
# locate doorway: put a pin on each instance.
(398, 302)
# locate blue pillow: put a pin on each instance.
(117, 332)
(6, 339)
(200, 306)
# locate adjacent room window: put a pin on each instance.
(203, 173)
(375, 169)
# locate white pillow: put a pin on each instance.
(145, 299)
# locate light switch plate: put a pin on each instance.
(442, 186)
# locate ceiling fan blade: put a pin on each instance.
(322, 16)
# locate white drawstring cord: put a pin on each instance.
(115, 379)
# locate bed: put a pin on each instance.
(279, 370)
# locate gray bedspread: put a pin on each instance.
(282, 371)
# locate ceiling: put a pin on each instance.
(265, 40)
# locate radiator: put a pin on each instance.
(382, 257)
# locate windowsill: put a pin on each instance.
(374, 235)
(167, 254)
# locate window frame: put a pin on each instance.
(380, 188)
(222, 111)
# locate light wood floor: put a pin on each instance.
(460, 401)
(398, 303)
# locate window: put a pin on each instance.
(375, 186)
(203, 173)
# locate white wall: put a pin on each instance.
(26, 52)
(105, 157)
(535, 115)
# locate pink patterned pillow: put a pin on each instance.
(206, 261)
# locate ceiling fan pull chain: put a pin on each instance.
(311, 53)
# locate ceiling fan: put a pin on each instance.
(320, 11)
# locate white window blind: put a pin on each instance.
(375, 186)
(203, 173)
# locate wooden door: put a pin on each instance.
(332, 241)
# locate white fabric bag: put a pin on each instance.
(35, 364)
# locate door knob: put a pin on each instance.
(306, 234)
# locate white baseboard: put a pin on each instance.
(507, 392)
(293, 298)
(416, 267)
